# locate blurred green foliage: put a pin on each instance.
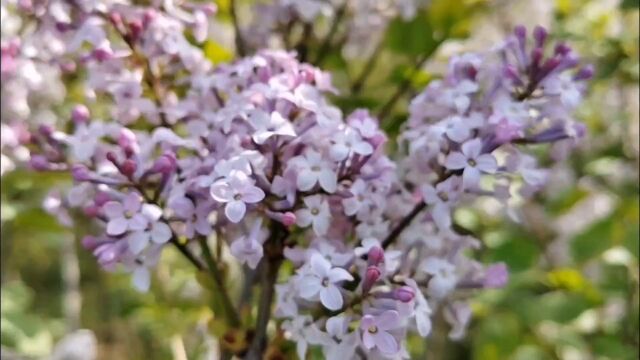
(573, 291)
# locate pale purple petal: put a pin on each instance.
(320, 265)
(441, 215)
(386, 343)
(470, 177)
(339, 152)
(113, 209)
(367, 340)
(486, 163)
(331, 297)
(117, 226)
(339, 274)
(363, 148)
(220, 191)
(306, 180)
(138, 222)
(303, 217)
(309, 286)
(320, 225)
(160, 233)
(252, 194)
(138, 241)
(235, 211)
(152, 212)
(471, 149)
(388, 320)
(456, 161)
(141, 279)
(132, 202)
(328, 180)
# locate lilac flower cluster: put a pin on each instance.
(253, 153)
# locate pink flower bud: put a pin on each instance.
(111, 156)
(80, 114)
(101, 198)
(128, 168)
(288, 219)
(90, 242)
(101, 54)
(91, 211)
(404, 294)
(378, 140)
(165, 164)
(209, 9)
(80, 173)
(375, 256)
(39, 163)
(372, 275)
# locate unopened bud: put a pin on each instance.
(585, 73)
(90, 242)
(128, 168)
(372, 275)
(375, 256)
(288, 219)
(39, 163)
(101, 198)
(80, 173)
(540, 35)
(80, 114)
(404, 294)
(91, 211)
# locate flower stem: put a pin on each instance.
(271, 263)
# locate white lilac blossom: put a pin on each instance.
(254, 152)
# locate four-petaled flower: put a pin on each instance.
(375, 332)
(322, 279)
(126, 215)
(236, 191)
(312, 169)
(472, 161)
(267, 126)
(316, 214)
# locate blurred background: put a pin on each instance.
(573, 292)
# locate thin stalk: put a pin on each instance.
(229, 311)
(239, 40)
(326, 43)
(367, 69)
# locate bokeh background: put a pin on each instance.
(573, 257)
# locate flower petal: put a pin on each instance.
(117, 226)
(386, 343)
(113, 209)
(331, 297)
(220, 191)
(487, 163)
(141, 279)
(306, 180)
(339, 274)
(138, 241)
(320, 265)
(471, 149)
(389, 319)
(235, 211)
(309, 286)
(470, 177)
(138, 222)
(252, 194)
(328, 180)
(455, 161)
(160, 233)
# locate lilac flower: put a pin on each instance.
(236, 191)
(443, 277)
(269, 125)
(315, 213)
(322, 281)
(375, 332)
(472, 162)
(444, 195)
(348, 142)
(156, 231)
(496, 276)
(312, 169)
(195, 217)
(248, 249)
(126, 215)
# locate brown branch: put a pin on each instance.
(271, 263)
(239, 40)
(367, 69)
(326, 43)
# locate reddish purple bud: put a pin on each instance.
(496, 276)
(165, 164)
(111, 156)
(80, 173)
(404, 294)
(585, 73)
(520, 32)
(128, 168)
(536, 56)
(378, 140)
(148, 17)
(39, 163)
(135, 29)
(372, 275)
(209, 9)
(375, 256)
(562, 49)
(91, 211)
(101, 198)
(116, 19)
(80, 114)
(90, 242)
(46, 130)
(288, 219)
(540, 35)
(101, 54)
(67, 66)
(62, 26)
